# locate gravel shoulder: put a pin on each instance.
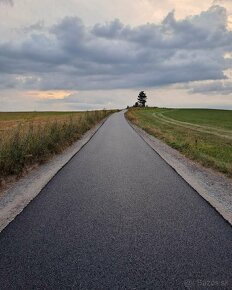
(214, 187)
(23, 191)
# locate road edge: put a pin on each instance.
(190, 171)
(23, 191)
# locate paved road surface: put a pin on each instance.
(117, 217)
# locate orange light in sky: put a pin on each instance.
(56, 94)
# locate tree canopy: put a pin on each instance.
(142, 99)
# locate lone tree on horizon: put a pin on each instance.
(142, 99)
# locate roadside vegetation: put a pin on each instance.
(201, 134)
(27, 139)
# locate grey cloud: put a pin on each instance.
(38, 26)
(209, 88)
(7, 2)
(76, 98)
(108, 30)
(72, 56)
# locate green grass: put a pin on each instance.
(215, 118)
(30, 138)
(200, 134)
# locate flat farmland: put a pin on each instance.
(29, 138)
(10, 120)
(203, 135)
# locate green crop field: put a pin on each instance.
(201, 134)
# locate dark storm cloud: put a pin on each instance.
(71, 56)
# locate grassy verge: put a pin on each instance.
(201, 135)
(32, 138)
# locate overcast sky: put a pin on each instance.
(78, 54)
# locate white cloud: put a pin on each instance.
(210, 87)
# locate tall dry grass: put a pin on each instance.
(33, 143)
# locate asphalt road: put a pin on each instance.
(117, 217)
